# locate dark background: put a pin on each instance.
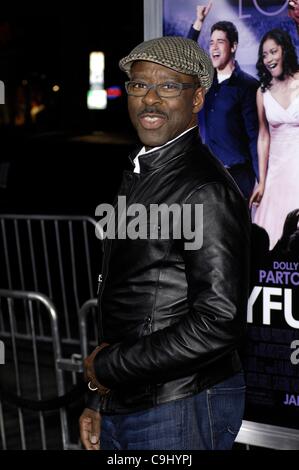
(70, 158)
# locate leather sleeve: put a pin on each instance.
(92, 401)
(217, 279)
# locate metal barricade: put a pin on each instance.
(87, 322)
(51, 254)
(34, 370)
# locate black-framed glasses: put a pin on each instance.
(164, 90)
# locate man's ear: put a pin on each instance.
(198, 99)
(234, 47)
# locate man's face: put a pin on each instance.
(221, 52)
(158, 120)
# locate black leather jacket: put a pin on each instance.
(173, 317)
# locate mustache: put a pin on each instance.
(152, 110)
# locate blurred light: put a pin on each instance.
(96, 96)
(56, 88)
(96, 68)
(97, 99)
(35, 110)
(114, 92)
(2, 92)
(24, 82)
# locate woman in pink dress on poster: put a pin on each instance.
(277, 192)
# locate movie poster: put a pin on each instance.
(271, 358)
(253, 18)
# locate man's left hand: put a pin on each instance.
(89, 423)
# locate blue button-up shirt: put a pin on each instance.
(230, 117)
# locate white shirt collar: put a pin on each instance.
(223, 76)
(143, 151)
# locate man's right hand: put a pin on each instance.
(90, 429)
(293, 10)
(201, 14)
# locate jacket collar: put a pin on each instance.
(163, 155)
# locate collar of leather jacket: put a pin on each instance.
(160, 157)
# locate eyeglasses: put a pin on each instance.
(164, 90)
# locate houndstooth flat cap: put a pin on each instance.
(178, 53)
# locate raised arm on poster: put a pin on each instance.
(202, 12)
(293, 8)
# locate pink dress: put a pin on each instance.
(281, 194)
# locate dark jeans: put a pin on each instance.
(209, 420)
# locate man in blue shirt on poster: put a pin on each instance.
(230, 113)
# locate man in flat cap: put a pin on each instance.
(172, 302)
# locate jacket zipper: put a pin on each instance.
(101, 278)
